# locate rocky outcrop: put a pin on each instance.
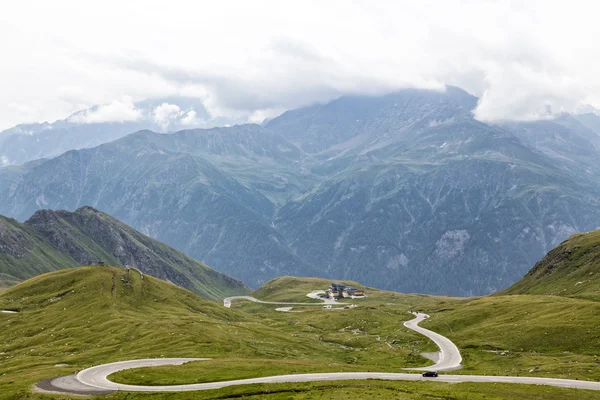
(64, 239)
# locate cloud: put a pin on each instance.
(190, 119)
(259, 116)
(166, 113)
(525, 60)
(117, 111)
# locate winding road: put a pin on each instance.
(449, 357)
(94, 380)
(228, 300)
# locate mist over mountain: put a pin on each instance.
(405, 191)
(101, 124)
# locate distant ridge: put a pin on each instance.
(52, 240)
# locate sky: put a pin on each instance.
(251, 60)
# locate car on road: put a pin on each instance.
(430, 374)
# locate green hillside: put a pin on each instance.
(75, 318)
(546, 324)
(571, 269)
(294, 289)
(525, 335)
(86, 316)
(53, 240)
(23, 253)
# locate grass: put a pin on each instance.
(225, 369)
(93, 235)
(545, 336)
(375, 389)
(87, 316)
(86, 322)
(26, 254)
(571, 269)
(294, 289)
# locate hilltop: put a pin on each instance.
(295, 289)
(85, 315)
(571, 269)
(52, 240)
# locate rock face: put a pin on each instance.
(404, 191)
(52, 240)
(571, 269)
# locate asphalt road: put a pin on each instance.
(228, 300)
(95, 378)
(449, 357)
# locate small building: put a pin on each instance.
(339, 290)
(354, 292)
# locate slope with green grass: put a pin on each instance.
(295, 289)
(53, 240)
(571, 269)
(537, 336)
(23, 253)
(87, 316)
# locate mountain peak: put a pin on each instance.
(51, 240)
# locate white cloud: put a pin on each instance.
(259, 116)
(166, 113)
(117, 111)
(526, 60)
(190, 119)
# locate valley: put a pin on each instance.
(405, 191)
(299, 200)
(497, 336)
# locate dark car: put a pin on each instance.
(430, 374)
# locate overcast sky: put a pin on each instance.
(253, 59)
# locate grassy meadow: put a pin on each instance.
(87, 316)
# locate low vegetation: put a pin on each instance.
(544, 336)
(53, 240)
(571, 269)
(75, 318)
(86, 316)
(374, 389)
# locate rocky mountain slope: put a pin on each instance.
(52, 240)
(571, 269)
(172, 195)
(405, 191)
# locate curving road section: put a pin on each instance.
(449, 357)
(228, 300)
(95, 379)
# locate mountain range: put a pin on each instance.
(405, 191)
(100, 124)
(53, 240)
